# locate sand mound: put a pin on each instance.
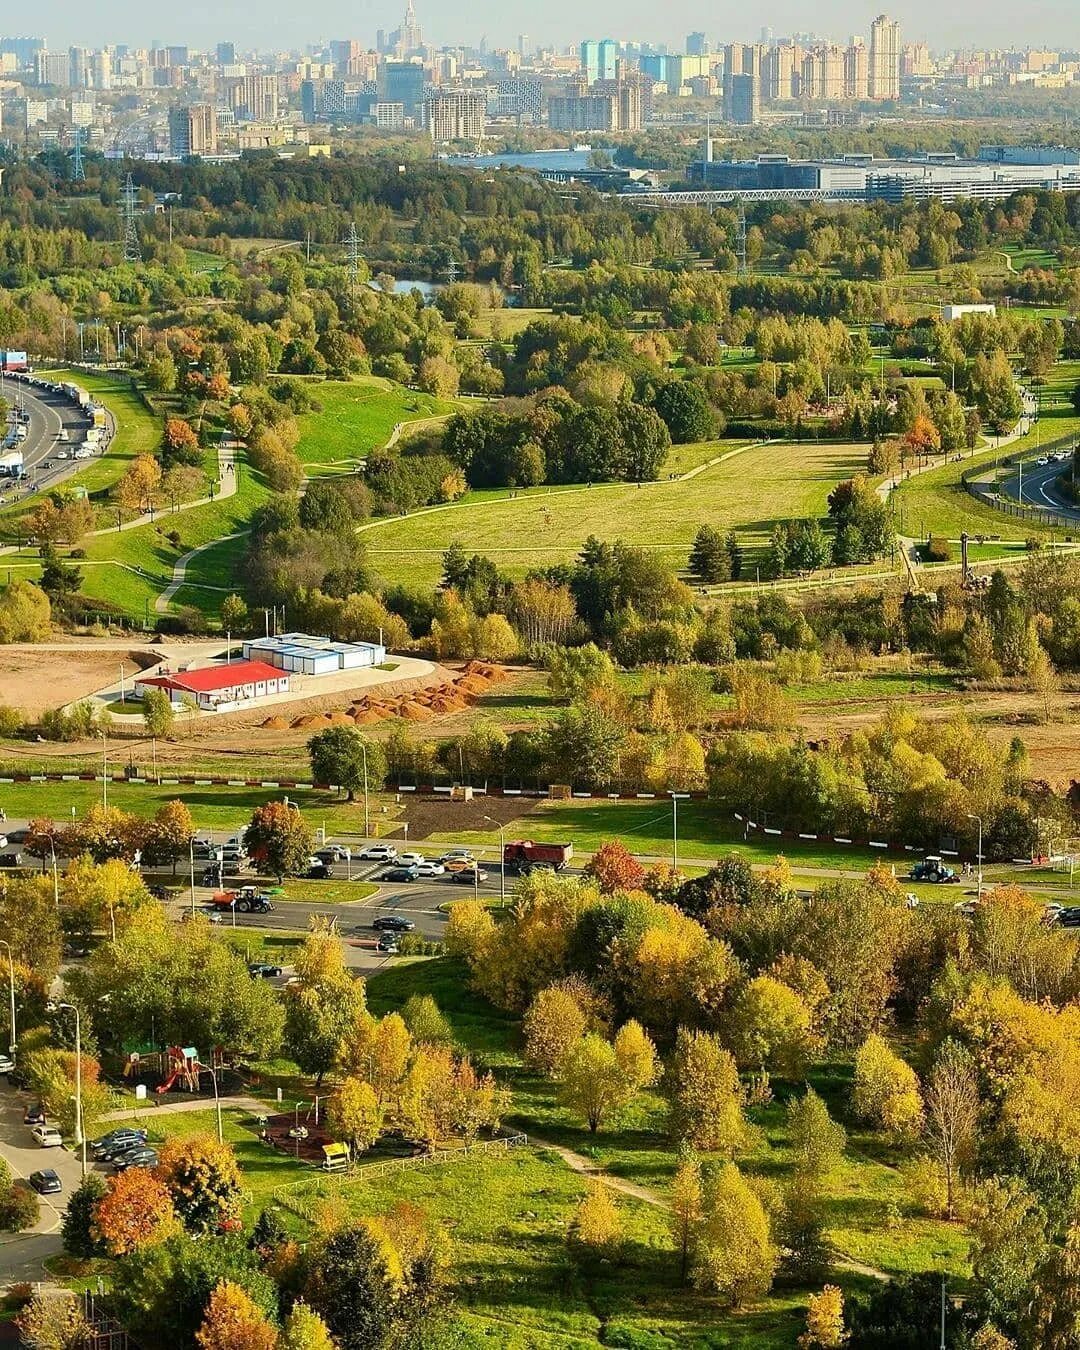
(366, 719)
(416, 712)
(275, 724)
(308, 721)
(339, 718)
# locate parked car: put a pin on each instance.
(400, 874)
(430, 868)
(117, 1150)
(136, 1157)
(387, 945)
(318, 871)
(456, 855)
(7, 1064)
(334, 853)
(122, 1137)
(411, 859)
(262, 970)
(378, 853)
(393, 923)
(47, 1136)
(34, 1114)
(46, 1182)
(469, 876)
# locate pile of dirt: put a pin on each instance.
(415, 712)
(306, 722)
(275, 724)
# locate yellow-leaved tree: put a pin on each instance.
(885, 1090)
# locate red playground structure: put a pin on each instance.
(182, 1067)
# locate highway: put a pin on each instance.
(1040, 487)
(49, 415)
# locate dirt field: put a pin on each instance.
(1054, 747)
(37, 680)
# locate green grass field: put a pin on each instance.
(356, 416)
(751, 492)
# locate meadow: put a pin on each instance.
(750, 492)
(355, 417)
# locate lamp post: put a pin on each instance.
(11, 987)
(55, 874)
(978, 820)
(191, 859)
(104, 772)
(674, 833)
(502, 860)
(367, 805)
(80, 1137)
(217, 1100)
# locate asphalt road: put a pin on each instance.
(49, 415)
(1040, 487)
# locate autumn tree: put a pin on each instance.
(135, 1210)
(171, 832)
(824, 1320)
(952, 1113)
(770, 1027)
(707, 1097)
(53, 1320)
(885, 1090)
(596, 1228)
(687, 1195)
(139, 489)
(203, 1178)
(278, 837)
(234, 1322)
(356, 1115)
(304, 1329)
(817, 1141)
(322, 1004)
(554, 1022)
(598, 1079)
(425, 1022)
(614, 868)
(734, 1255)
(158, 713)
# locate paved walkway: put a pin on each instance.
(161, 604)
(172, 1106)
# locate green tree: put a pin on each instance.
(322, 1004)
(710, 559)
(817, 1141)
(234, 614)
(707, 1098)
(77, 1229)
(341, 756)
(734, 1255)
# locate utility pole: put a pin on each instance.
(740, 243)
(132, 251)
(78, 171)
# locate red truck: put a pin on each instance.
(523, 856)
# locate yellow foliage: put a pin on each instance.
(596, 1224)
(886, 1090)
(233, 1322)
(824, 1320)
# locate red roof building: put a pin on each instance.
(236, 684)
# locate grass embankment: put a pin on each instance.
(355, 417)
(751, 492)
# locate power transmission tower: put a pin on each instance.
(740, 243)
(132, 251)
(452, 269)
(78, 172)
(353, 254)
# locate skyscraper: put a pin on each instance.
(884, 65)
(590, 61)
(609, 56)
(456, 115)
(192, 129)
(402, 82)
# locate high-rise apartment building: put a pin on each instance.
(455, 115)
(884, 66)
(402, 82)
(608, 59)
(192, 129)
(590, 60)
(823, 74)
(856, 71)
(781, 71)
(254, 97)
(697, 44)
(53, 68)
(742, 98)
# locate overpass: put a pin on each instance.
(745, 196)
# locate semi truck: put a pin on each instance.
(523, 856)
(13, 361)
(11, 464)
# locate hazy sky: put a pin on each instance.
(275, 23)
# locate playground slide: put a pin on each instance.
(164, 1087)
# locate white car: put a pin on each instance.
(378, 853)
(1042, 462)
(7, 1064)
(410, 859)
(430, 869)
(47, 1137)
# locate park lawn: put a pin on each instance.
(326, 892)
(277, 948)
(211, 807)
(507, 323)
(870, 687)
(358, 415)
(645, 827)
(143, 558)
(750, 492)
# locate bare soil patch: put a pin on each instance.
(37, 680)
(439, 815)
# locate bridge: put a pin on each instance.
(745, 196)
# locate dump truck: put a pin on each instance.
(245, 900)
(934, 869)
(523, 856)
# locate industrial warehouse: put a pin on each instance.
(306, 655)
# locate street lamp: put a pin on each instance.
(367, 805)
(191, 859)
(80, 1137)
(502, 859)
(217, 1099)
(978, 819)
(674, 832)
(104, 772)
(11, 986)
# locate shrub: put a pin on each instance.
(19, 1209)
(937, 549)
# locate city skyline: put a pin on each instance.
(963, 25)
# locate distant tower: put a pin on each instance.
(132, 250)
(740, 242)
(451, 270)
(353, 254)
(78, 171)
